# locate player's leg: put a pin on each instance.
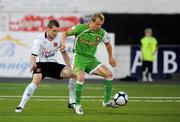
(71, 87)
(80, 75)
(67, 73)
(144, 71)
(150, 65)
(29, 91)
(79, 65)
(103, 71)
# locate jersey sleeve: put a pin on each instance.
(106, 38)
(36, 47)
(74, 30)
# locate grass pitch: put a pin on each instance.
(148, 102)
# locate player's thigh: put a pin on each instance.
(66, 72)
(150, 65)
(144, 66)
(103, 71)
(92, 65)
(78, 66)
(37, 78)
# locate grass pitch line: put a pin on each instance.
(144, 97)
(94, 100)
(91, 97)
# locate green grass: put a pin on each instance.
(55, 109)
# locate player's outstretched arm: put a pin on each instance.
(63, 47)
(112, 61)
(66, 58)
(33, 62)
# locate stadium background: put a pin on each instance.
(21, 21)
(126, 19)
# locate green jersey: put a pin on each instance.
(87, 40)
(149, 45)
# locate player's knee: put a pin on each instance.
(109, 76)
(69, 74)
(37, 79)
(81, 79)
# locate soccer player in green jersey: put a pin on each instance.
(148, 51)
(88, 36)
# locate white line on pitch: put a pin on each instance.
(136, 97)
(96, 100)
(145, 97)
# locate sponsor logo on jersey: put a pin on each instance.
(89, 42)
(47, 53)
(55, 44)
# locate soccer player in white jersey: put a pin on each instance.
(44, 62)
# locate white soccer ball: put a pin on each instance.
(120, 98)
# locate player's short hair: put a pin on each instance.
(52, 23)
(97, 15)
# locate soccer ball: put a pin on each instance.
(120, 98)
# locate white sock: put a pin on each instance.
(71, 87)
(144, 74)
(150, 77)
(27, 94)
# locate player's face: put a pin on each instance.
(97, 24)
(149, 33)
(53, 31)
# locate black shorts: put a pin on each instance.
(148, 65)
(49, 69)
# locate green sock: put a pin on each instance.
(78, 92)
(107, 90)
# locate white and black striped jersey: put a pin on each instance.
(45, 50)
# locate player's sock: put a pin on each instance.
(150, 79)
(71, 87)
(107, 90)
(144, 78)
(78, 92)
(27, 94)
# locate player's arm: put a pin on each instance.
(34, 53)
(141, 49)
(64, 36)
(156, 46)
(66, 58)
(112, 61)
(108, 45)
(142, 52)
(33, 62)
(70, 32)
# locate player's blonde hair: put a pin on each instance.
(97, 15)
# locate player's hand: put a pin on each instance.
(33, 67)
(112, 62)
(62, 48)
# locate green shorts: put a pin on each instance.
(84, 63)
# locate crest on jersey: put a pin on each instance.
(55, 44)
(97, 38)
